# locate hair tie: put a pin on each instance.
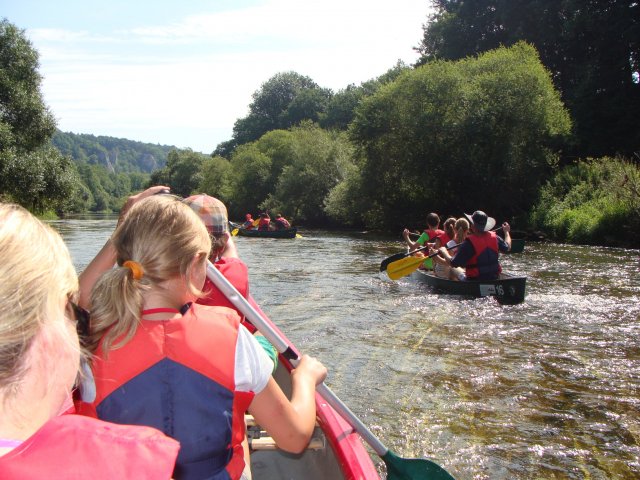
(135, 267)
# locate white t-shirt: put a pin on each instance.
(253, 366)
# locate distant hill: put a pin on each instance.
(117, 155)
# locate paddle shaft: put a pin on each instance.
(241, 303)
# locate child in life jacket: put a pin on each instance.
(190, 370)
(39, 360)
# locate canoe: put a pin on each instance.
(287, 233)
(335, 450)
(508, 289)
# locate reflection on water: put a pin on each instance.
(547, 389)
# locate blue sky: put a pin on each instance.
(181, 72)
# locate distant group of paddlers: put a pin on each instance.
(263, 222)
(467, 248)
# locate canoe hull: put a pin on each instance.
(508, 289)
(343, 457)
(288, 233)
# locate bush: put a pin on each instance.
(594, 202)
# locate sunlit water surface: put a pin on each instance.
(549, 389)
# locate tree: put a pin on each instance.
(284, 100)
(32, 174)
(316, 165)
(215, 178)
(459, 136)
(249, 178)
(39, 180)
(590, 47)
(342, 105)
(183, 172)
(25, 121)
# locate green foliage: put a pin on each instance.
(459, 136)
(591, 48)
(215, 178)
(316, 165)
(183, 172)
(342, 105)
(25, 121)
(249, 179)
(283, 101)
(291, 172)
(40, 180)
(592, 202)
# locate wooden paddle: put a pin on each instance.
(405, 266)
(398, 468)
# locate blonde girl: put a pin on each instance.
(39, 360)
(188, 369)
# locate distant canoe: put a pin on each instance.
(287, 233)
(508, 289)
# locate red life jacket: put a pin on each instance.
(264, 223)
(234, 270)
(282, 223)
(433, 234)
(74, 446)
(178, 376)
(484, 262)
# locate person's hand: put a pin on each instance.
(442, 251)
(506, 228)
(311, 367)
(131, 201)
(405, 233)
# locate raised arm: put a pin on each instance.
(106, 257)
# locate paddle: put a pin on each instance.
(398, 468)
(405, 266)
(398, 256)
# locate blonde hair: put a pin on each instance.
(449, 228)
(162, 235)
(462, 227)
(36, 273)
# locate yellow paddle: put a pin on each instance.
(234, 232)
(405, 266)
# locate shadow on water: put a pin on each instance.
(546, 389)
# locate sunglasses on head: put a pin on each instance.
(82, 318)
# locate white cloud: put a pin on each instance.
(197, 74)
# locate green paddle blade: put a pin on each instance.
(399, 468)
(403, 267)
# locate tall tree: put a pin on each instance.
(25, 120)
(32, 174)
(591, 48)
(458, 136)
(283, 101)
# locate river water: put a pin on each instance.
(549, 389)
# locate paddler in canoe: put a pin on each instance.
(40, 326)
(478, 254)
(162, 248)
(427, 237)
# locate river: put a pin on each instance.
(549, 389)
